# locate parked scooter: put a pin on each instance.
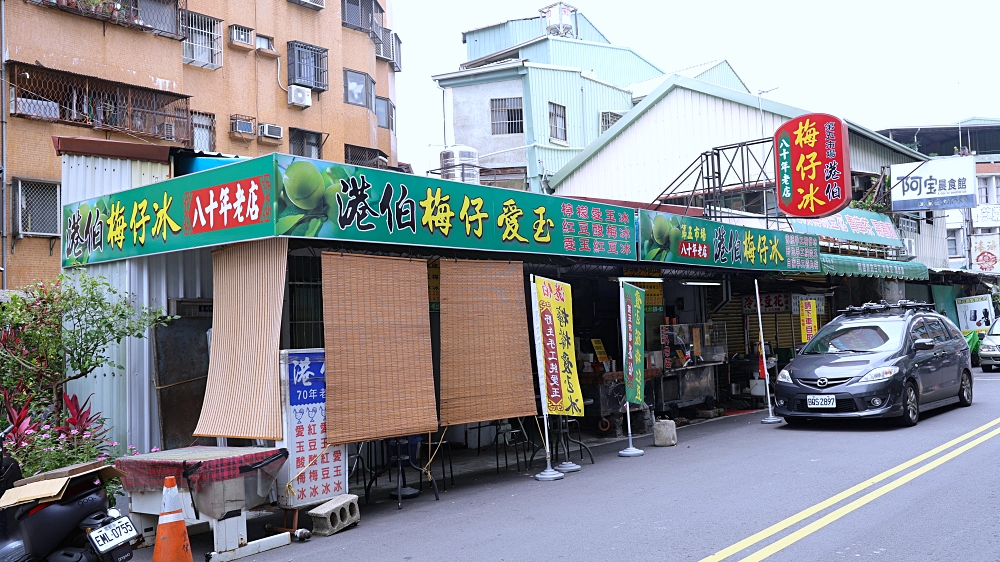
(79, 527)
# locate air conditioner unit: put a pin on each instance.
(911, 246)
(299, 96)
(166, 131)
(270, 131)
(241, 126)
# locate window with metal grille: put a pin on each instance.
(37, 208)
(307, 66)
(155, 16)
(305, 143)
(506, 116)
(241, 34)
(361, 15)
(608, 119)
(909, 224)
(203, 46)
(385, 111)
(953, 241)
(984, 190)
(557, 121)
(305, 303)
(359, 89)
(49, 95)
(361, 156)
(203, 131)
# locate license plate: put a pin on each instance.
(821, 401)
(108, 537)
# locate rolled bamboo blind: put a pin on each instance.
(243, 393)
(485, 358)
(379, 371)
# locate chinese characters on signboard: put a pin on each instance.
(852, 224)
(771, 303)
(633, 341)
(986, 216)
(694, 241)
(807, 319)
(985, 251)
(344, 202)
(176, 214)
(555, 347)
(315, 471)
(813, 166)
(938, 184)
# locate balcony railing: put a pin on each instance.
(73, 99)
(160, 17)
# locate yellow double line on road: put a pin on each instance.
(867, 498)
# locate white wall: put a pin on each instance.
(654, 150)
(470, 120)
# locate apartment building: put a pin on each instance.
(308, 77)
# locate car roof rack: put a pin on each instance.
(883, 306)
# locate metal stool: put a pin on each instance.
(435, 446)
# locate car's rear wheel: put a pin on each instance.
(911, 406)
(965, 390)
(987, 368)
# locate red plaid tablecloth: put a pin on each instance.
(144, 473)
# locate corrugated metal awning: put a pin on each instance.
(851, 266)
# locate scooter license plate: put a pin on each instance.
(109, 537)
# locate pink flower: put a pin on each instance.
(45, 436)
(24, 443)
(101, 459)
(29, 432)
(46, 427)
(154, 449)
(86, 434)
(114, 443)
(62, 436)
(73, 432)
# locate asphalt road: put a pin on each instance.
(727, 481)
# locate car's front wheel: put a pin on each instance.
(986, 368)
(911, 406)
(965, 390)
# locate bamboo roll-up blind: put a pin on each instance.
(377, 332)
(243, 393)
(485, 358)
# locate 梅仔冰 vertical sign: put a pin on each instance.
(813, 166)
(633, 333)
(556, 348)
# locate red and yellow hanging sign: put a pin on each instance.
(555, 347)
(812, 166)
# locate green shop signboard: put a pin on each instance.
(317, 199)
(694, 241)
(222, 205)
(282, 195)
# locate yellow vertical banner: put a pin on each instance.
(808, 322)
(555, 347)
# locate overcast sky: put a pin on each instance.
(878, 63)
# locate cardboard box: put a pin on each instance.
(50, 486)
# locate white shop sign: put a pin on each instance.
(938, 184)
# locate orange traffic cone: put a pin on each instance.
(172, 543)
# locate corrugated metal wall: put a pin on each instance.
(723, 75)
(616, 65)
(583, 99)
(482, 42)
(653, 151)
(868, 157)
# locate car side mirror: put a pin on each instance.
(923, 344)
(982, 336)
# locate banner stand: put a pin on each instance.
(629, 451)
(771, 418)
(548, 474)
(567, 465)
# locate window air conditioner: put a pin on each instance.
(299, 96)
(166, 131)
(270, 131)
(911, 246)
(241, 126)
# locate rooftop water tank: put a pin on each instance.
(460, 163)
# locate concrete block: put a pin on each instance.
(335, 515)
(664, 433)
(709, 414)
